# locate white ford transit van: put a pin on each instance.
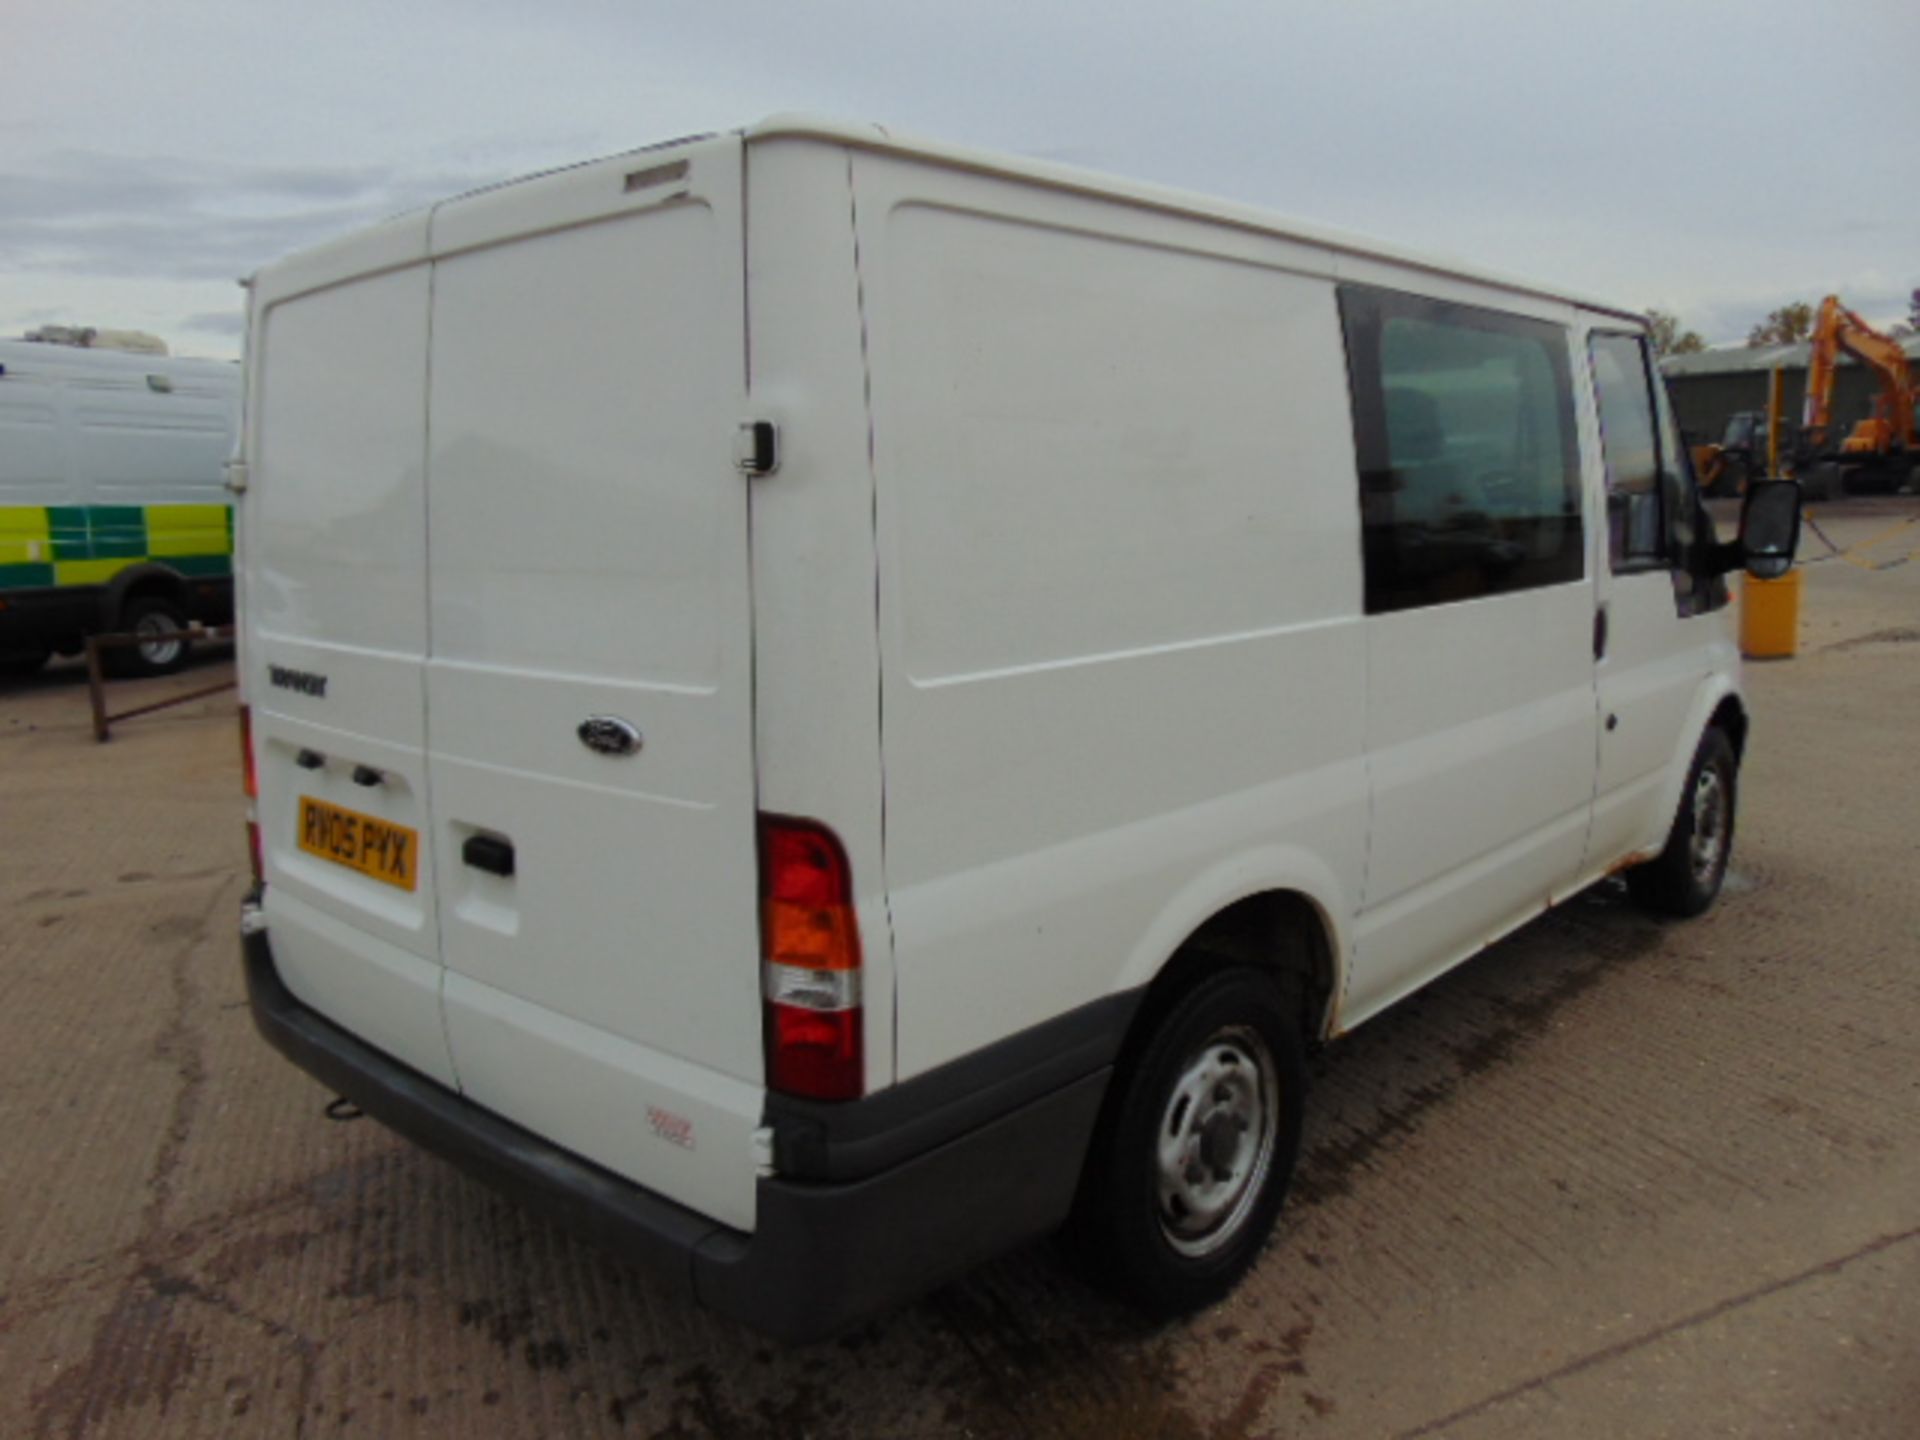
(825, 706)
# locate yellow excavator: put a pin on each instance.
(1880, 451)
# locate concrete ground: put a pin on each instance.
(1613, 1178)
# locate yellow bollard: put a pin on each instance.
(1770, 616)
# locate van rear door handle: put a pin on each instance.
(1600, 633)
(489, 853)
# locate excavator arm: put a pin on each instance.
(1838, 329)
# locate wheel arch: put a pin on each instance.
(1269, 911)
(1730, 715)
(1718, 702)
(137, 581)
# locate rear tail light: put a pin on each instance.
(811, 981)
(250, 778)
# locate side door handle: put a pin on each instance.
(1600, 632)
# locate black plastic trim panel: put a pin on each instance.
(817, 1140)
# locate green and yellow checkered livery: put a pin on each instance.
(46, 546)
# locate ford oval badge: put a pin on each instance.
(609, 735)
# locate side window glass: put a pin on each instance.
(1676, 477)
(1689, 525)
(1637, 535)
(1463, 424)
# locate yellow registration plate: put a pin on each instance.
(366, 843)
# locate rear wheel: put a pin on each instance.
(1195, 1148)
(1686, 876)
(161, 628)
(1872, 477)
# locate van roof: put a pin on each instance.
(1156, 197)
(351, 256)
(38, 357)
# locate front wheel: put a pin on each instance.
(1195, 1148)
(1686, 876)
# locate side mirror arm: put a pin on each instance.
(1723, 557)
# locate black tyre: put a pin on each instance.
(24, 662)
(163, 643)
(1195, 1147)
(1871, 477)
(1686, 876)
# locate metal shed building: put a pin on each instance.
(1710, 385)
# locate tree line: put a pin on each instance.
(1786, 325)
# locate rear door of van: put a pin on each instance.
(335, 643)
(588, 696)
(498, 656)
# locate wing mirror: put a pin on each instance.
(1769, 529)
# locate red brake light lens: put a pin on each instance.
(814, 1054)
(249, 776)
(805, 865)
(250, 779)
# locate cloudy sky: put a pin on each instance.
(1715, 159)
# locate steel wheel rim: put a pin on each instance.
(1709, 844)
(1215, 1142)
(160, 639)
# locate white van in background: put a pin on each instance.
(826, 706)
